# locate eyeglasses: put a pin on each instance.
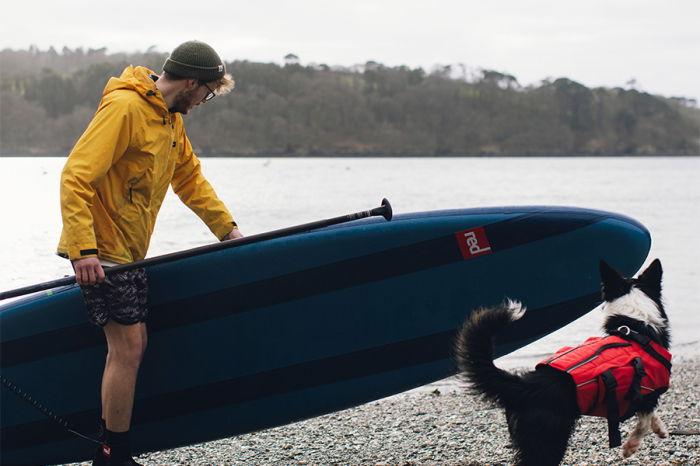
(210, 95)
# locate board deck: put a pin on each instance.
(274, 332)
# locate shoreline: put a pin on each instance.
(441, 424)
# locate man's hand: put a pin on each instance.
(235, 234)
(88, 271)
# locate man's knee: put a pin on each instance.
(127, 357)
(126, 344)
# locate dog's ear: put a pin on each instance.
(650, 279)
(614, 285)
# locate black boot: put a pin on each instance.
(116, 451)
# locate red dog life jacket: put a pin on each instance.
(611, 373)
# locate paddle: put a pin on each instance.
(384, 211)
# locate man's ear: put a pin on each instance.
(191, 83)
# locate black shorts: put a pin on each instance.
(121, 297)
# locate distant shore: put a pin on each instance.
(441, 424)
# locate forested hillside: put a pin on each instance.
(47, 98)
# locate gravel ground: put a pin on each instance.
(441, 424)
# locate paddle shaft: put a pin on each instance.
(384, 211)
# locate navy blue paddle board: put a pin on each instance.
(269, 333)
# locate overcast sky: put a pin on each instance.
(595, 42)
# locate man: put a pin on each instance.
(112, 187)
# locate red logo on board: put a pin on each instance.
(473, 243)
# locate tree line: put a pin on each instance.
(47, 98)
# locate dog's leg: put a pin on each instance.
(644, 424)
(540, 436)
(658, 426)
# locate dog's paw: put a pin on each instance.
(658, 427)
(630, 447)
(516, 309)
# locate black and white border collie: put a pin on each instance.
(541, 405)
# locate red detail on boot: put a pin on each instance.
(106, 451)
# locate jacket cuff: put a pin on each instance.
(78, 252)
(223, 229)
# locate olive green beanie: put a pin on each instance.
(195, 59)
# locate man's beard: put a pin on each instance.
(183, 102)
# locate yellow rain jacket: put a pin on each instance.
(118, 173)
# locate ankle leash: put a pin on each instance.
(45, 411)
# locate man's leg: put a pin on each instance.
(119, 307)
(126, 345)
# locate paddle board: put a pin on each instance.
(269, 333)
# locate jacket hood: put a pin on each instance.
(138, 79)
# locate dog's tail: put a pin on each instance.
(474, 353)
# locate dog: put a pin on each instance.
(543, 406)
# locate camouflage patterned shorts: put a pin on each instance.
(121, 297)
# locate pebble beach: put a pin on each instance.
(441, 424)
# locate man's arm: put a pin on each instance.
(195, 192)
(102, 144)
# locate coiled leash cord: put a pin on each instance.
(44, 410)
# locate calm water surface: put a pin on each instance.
(265, 194)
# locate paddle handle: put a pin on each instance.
(382, 211)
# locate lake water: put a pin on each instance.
(266, 194)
